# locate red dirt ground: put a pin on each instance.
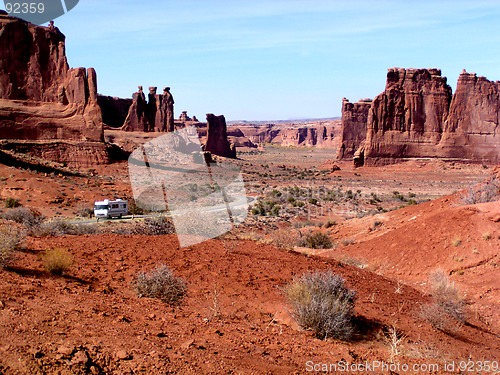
(91, 320)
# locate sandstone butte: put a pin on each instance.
(418, 116)
(47, 109)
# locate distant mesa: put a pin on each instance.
(418, 116)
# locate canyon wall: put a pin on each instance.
(472, 128)
(42, 99)
(323, 134)
(417, 116)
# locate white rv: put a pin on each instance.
(108, 209)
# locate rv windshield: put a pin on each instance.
(101, 207)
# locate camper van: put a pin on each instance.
(108, 209)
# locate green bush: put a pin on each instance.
(323, 303)
(12, 203)
(317, 240)
(160, 283)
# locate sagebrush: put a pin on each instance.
(447, 307)
(317, 240)
(29, 217)
(11, 238)
(56, 227)
(487, 191)
(160, 283)
(323, 303)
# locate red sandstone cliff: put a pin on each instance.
(43, 100)
(323, 134)
(417, 116)
(472, 128)
(354, 120)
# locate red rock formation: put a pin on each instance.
(416, 116)
(309, 136)
(155, 114)
(354, 120)
(407, 118)
(472, 128)
(322, 134)
(217, 142)
(41, 98)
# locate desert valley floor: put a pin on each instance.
(390, 228)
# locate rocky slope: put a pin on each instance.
(43, 101)
(417, 116)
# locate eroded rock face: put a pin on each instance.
(322, 135)
(417, 116)
(354, 121)
(472, 128)
(217, 142)
(41, 98)
(407, 118)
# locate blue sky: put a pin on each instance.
(276, 59)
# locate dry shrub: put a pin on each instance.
(57, 261)
(317, 240)
(84, 211)
(155, 226)
(323, 303)
(448, 306)
(285, 238)
(54, 228)
(11, 238)
(28, 217)
(487, 191)
(160, 283)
